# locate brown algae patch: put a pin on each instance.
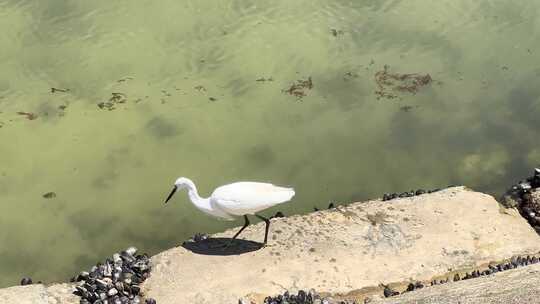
(116, 98)
(388, 82)
(28, 115)
(298, 89)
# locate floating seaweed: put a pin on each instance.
(118, 97)
(49, 195)
(106, 105)
(124, 79)
(29, 115)
(200, 88)
(298, 88)
(388, 83)
(335, 32)
(61, 110)
(115, 99)
(165, 93)
(349, 75)
(54, 90)
(407, 108)
(262, 79)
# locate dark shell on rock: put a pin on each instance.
(389, 292)
(279, 214)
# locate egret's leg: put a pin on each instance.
(267, 221)
(241, 229)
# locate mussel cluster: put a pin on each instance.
(303, 297)
(391, 196)
(199, 237)
(522, 197)
(117, 281)
(27, 281)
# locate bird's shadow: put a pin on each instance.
(216, 246)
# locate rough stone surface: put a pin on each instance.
(516, 286)
(39, 294)
(29, 294)
(346, 248)
(62, 294)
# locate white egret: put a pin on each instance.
(236, 199)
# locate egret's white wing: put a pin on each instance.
(249, 197)
(218, 212)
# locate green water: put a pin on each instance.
(193, 107)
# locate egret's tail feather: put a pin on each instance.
(285, 195)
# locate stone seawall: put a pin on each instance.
(347, 252)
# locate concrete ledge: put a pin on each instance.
(39, 294)
(31, 294)
(347, 249)
(516, 286)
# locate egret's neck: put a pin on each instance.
(199, 202)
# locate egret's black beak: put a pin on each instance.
(171, 194)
